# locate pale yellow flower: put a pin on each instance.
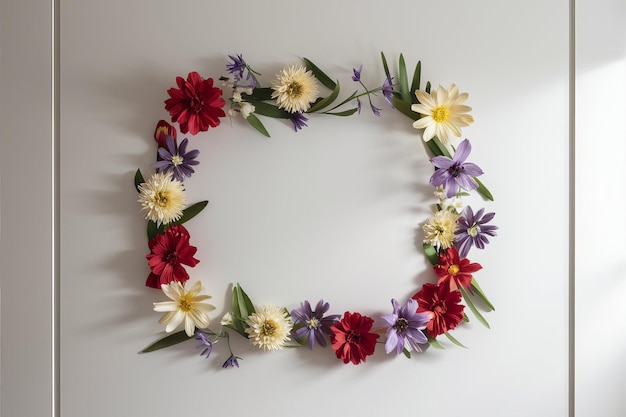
(269, 327)
(439, 229)
(295, 89)
(162, 198)
(186, 306)
(443, 113)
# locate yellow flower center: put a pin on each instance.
(161, 199)
(473, 231)
(177, 160)
(184, 305)
(268, 328)
(313, 323)
(453, 270)
(294, 89)
(441, 114)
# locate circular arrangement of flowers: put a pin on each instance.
(196, 105)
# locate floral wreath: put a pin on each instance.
(196, 105)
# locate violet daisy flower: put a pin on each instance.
(205, 343)
(299, 120)
(473, 231)
(176, 159)
(405, 327)
(455, 173)
(313, 324)
(231, 361)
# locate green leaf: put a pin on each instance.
(453, 340)
(153, 230)
(406, 353)
(431, 254)
(465, 318)
(434, 343)
(442, 148)
(167, 341)
(257, 124)
(415, 85)
(191, 212)
(269, 110)
(482, 190)
(427, 89)
(472, 307)
(385, 66)
(481, 294)
(326, 101)
(433, 148)
(319, 74)
(348, 112)
(403, 80)
(404, 108)
(242, 309)
(260, 94)
(138, 179)
(352, 96)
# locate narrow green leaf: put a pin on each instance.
(403, 80)
(239, 329)
(326, 101)
(191, 212)
(434, 343)
(319, 74)
(481, 294)
(237, 323)
(260, 94)
(433, 148)
(472, 307)
(431, 254)
(482, 190)
(453, 340)
(415, 85)
(257, 124)
(138, 179)
(404, 108)
(348, 112)
(442, 147)
(153, 230)
(352, 96)
(269, 110)
(406, 353)
(167, 341)
(427, 89)
(385, 66)
(246, 300)
(465, 318)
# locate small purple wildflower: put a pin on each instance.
(313, 323)
(237, 67)
(205, 343)
(358, 105)
(299, 120)
(357, 74)
(388, 91)
(473, 230)
(176, 159)
(375, 109)
(405, 327)
(231, 362)
(455, 173)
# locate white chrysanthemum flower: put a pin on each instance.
(443, 113)
(295, 89)
(227, 320)
(269, 327)
(246, 108)
(162, 198)
(439, 229)
(454, 203)
(186, 306)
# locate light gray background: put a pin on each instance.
(328, 212)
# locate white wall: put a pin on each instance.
(115, 68)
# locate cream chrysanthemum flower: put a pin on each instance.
(269, 327)
(162, 198)
(443, 113)
(295, 89)
(186, 306)
(439, 229)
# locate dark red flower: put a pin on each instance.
(196, 105)
(351, 338)
(168, 252)
(453, 271)
(444, 306)
(163, 129)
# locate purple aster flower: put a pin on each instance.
(388, 91)
(231, 362)
(473, 230)
(405, 327)
(205, 343)
(176, 159)
(237, 67)
(299, 120)
(357, 74)
(375, 109)
(313, 323)
(455, 173)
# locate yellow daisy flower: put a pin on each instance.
(442, 113)
(186, 306)
(295, 89)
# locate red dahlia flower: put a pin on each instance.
(453, 271)
(351, 338)
(163, 129)
(195, 104)
(168, 252)
(443, 304)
